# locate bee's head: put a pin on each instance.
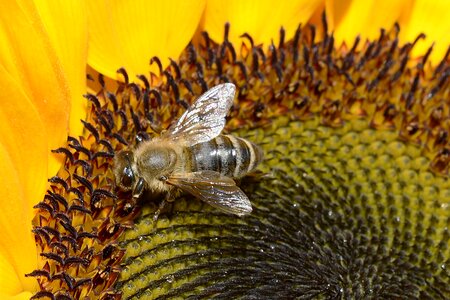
(123, 170)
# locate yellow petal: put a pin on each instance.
(433, 19)
(261, 19)
(129, 33)
(23, 164)
(34, 113)
(66, 24)
(9, 282)
(21, 296)
(351, 18)
(29, 57)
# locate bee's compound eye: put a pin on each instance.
(127, 177)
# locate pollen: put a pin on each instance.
(352, 201)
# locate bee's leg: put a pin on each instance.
(129, 205)
(166, 199)
(139, 188)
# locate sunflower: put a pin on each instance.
(353, 119)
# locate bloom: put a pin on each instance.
(118, 39)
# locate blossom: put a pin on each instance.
(43, 63)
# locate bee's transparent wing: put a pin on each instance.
(205, 119)
(215, 189)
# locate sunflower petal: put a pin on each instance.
(261, 19)
(34, 115)
(129, 33)
(10, 284)
(351, 18)
(431, 18)
(23, 162)
(37, 68)
(66, 24)
(21, 296)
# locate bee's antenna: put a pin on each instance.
(141, 137)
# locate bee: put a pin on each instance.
(193, 156)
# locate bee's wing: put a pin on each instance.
(205, 119)
(215, 189)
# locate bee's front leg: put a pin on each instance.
(138, 188)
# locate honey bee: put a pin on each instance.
(194, 157)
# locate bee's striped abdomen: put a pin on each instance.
(229, 155)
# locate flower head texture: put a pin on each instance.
(349, 101)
